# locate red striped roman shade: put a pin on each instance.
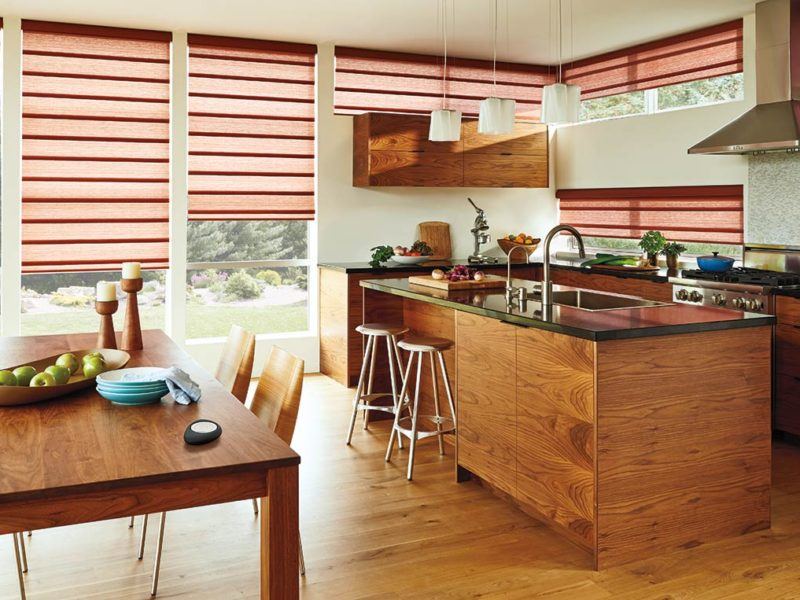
(95, 147)
(371, 80)
(701, 54)
(251, 129)
(708, 213)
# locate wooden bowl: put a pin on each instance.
(507, 245)
(12, 395)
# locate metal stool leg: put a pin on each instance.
(255, 506)
(15, 541)
(437, 412)
(142, 538)
(371, 377)
(412, 445)
(302, 557)
(447, 388)
(159, 549)
(359, 389)
(131, 522)
(395, 396)
(23, 552)
(401, 403)
(403, 392)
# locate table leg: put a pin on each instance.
(280, 579)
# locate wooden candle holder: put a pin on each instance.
(132, 330)
(106, 309)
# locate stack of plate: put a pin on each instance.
(139, 385)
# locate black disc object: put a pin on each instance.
(201, 431)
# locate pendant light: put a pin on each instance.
(496, 116)
(561, 102)
(445, 123)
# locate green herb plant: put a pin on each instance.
(381, 254)
(673, 249)
(653, 242)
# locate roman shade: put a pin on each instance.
(95, 147)
(712, 213)
(251, 129)
(700, 54)
(376, 81)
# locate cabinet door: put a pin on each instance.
(405, 133)
(787, 403)
(487, 413)
(417, 169)
(501, 170)
(555, 430)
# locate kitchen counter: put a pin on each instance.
(624, 323)
(633, 432)
(426, 267)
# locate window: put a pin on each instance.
(251, 185)
(371, 80)
(95, 169)
(619, 105)
(704, 218)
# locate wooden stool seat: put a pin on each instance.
(424, 344)
(381, 329)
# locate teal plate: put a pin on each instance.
(134, 399)
(135, 388)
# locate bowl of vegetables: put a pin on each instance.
(418, 252)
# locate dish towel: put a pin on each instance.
(181, 386)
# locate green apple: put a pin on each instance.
(24, 374)
(93, 367)
(69, 361)
(59, 373)
(43, 379)
(92, 355)
(7, 378)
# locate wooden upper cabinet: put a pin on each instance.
(393, 150)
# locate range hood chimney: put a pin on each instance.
(774, 122)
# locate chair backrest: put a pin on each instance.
(235, 366)
(277, 397)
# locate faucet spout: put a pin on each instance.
(511, 291)
(547, 284)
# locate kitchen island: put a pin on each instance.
(632, 431)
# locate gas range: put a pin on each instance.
(749, 288)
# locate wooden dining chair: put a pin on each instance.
(276, 402)
(235, 367)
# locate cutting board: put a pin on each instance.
(437, 235)
(489, 281)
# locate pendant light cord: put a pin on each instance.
(559, 43)
(494, 52)
(444, 69)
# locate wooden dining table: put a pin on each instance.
(79, 458)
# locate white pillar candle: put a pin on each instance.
(106, 292)
(131, 270)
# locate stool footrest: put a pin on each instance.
(426, 426)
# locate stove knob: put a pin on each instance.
(719, 299)
(753, 304)
(739, 302)
(682, 294)
(696, 296)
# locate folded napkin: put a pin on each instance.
(181, 386)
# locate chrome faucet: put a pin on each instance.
(516, 293)
(547, 285)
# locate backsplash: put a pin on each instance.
(773, 209)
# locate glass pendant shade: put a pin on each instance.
(445, 126)
(497, 116)
(561, 103)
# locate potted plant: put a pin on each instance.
(672, 251)
(652, 243)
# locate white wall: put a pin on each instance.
(353, 220)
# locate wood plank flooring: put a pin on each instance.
(368, 534)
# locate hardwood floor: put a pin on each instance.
(369, 534)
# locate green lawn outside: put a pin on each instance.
(201, 321)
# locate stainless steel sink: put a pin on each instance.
(594, 301)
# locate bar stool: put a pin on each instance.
(433, 425)
(365, 399)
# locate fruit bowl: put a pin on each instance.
(12, 395)
(409, 260)
(507, 245)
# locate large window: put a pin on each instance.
(250, 273)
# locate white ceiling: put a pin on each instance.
(403, 25)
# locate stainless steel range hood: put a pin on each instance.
(774, 123)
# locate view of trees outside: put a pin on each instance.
(262, 299)
(705, 91)
(692, 249)
(619, 105)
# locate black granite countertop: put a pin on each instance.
(662, 275)
(664, 319)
